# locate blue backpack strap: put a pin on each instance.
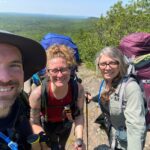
(100, 90)
(36, 79)
(12, 145)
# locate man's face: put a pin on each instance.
(11, 75)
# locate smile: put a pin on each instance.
(2, 89)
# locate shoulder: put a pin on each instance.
(133, 92)
(36, 91)
(80, 86)
(132, 85)
(35, 94)
(80, 89)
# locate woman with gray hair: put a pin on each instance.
(124, 118)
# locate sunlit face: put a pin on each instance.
(11, 74)
(58, 71)
(109, 67)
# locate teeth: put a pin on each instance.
(5, 89)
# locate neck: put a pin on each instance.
(59, 92)
(108, 85)
(4, 112)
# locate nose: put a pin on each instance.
(59, 73)
(5, 75)
(107, 66)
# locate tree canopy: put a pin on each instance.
(109, 29)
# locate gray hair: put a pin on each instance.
(116, 54)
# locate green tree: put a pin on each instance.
(109, 29)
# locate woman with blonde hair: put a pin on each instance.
(62, 109)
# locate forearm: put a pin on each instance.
(35, 121)
(35, 116)
(79, 125)
(95, 98)
(36, 146)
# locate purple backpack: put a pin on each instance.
(136, 48)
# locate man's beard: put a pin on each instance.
(4, 111)
(7, 101)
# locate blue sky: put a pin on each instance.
(85, 8)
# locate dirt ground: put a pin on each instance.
(97, 139)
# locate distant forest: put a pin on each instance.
(90, 34)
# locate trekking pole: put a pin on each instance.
(87, 134)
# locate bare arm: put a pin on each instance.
(79, 120)
(35, 104)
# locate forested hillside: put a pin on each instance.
(90, 34)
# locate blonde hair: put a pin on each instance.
(62, 51)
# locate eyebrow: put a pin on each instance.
(17, 61)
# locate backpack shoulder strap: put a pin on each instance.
(100, 91)
(121, 91)
(44, 94)
(75, 91)
(74, 85)
(44, 99)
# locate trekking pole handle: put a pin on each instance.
(86, 97)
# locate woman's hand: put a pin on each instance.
(88, 97)
(79, 144)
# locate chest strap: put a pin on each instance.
(68, 112)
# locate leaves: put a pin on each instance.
(90, 35)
